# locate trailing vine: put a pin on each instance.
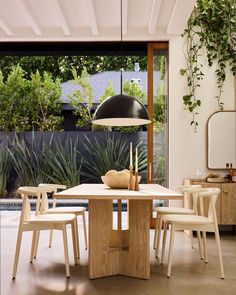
(211, 27)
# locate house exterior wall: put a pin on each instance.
(187, 150)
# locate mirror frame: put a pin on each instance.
(207, 141)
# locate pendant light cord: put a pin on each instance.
(121, 45)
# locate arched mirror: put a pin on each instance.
(221, 137)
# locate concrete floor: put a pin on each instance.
(47, 274)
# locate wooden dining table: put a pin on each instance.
(119, 251)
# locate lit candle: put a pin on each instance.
(131, 155)
(136, 160)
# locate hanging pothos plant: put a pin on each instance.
(211, 27)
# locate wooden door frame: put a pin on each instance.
(150, 60)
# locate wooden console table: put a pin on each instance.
(125, 252)
(226, 202)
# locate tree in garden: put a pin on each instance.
(133, 89)
(159, 108)
(13, 101)
(82, 99)
(60, 66)
(27, 104)
(44, 96)
(109, 91)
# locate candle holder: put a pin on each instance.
(136, 182)
(131, 178)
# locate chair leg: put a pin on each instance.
(85, 231)
(163, 243)
(50, 238)
(172, 235)
(66, 251)
(36, 245)
(217, 237)
(77, 238)
(199, 244)
(191, 238)
(159, 235)
(155, 233)
(74, 241)
(205, 247)
(18, 244)
(32, 246)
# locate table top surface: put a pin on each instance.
(101, 191)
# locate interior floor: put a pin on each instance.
(46, 275)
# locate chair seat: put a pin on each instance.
(188, 219)
(173, 210)
(74, 210)
(52, 218)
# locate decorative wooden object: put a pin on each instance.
(131, 178)
(136, 182)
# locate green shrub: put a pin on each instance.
(33, 104)
(44, 102)
(5, 168)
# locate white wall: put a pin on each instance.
(187, 150)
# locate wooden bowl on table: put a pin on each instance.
(117, 179)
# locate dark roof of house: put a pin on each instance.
(100, 82)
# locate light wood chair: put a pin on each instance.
(161, 211)
(78, 210)
(194, 222)
(43, 222)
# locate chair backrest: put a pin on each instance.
(32, 191)
(54, 187)
(187, 189)
(51, 188)
(213, 194)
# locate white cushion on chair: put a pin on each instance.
(74, 210)
(173, 210)
(52, 218)
(190, 219)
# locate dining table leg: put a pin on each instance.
(135, 260)
(119, 251)
(102, 261)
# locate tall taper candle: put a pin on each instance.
(136, 160)
(131, 155)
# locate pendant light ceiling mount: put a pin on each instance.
(121, 110)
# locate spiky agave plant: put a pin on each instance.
(5, 168)
(28, 161)
(110, 152)
(64, 161)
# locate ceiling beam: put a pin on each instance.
(179, 16)
(92, 17)
(5, 28)
(156, 6)
(61, 17)
(31, 20)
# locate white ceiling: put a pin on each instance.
(92, 20)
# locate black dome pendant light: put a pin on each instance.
(121, 110)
